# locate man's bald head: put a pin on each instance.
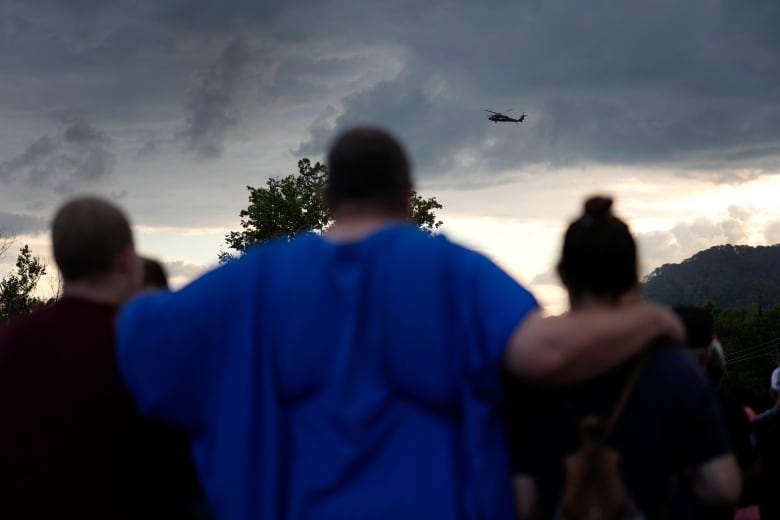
(88, 234)
(367, 164)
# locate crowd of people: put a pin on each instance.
(370, 371)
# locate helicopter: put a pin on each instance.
(498, 117)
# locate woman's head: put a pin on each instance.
(599, 254)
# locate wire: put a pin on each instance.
(759, 346)
(769, 349)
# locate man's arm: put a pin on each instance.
(583, 344)
(718, 481)
(171, 346)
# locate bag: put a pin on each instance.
(593, 489)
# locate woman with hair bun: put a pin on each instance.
(667, 425)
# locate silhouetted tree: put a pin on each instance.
(290, 205)
(16, 287)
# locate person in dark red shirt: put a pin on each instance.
(68, 427)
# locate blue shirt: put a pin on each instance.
(323, 380)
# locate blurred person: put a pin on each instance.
(66, 415)
(72, 444)
(706, 350)
(767, 434)
(355, 374)
(774, 394)
(169, 475)
(670, 418)
(154, 275)
(704, 347)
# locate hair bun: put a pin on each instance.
(598, 207)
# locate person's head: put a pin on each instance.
(774, 384)
(599, 258)
(701, 341)
(368, 167)
(93, 245)
(154, 274)
(699, 326)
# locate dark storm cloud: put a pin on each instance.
(625, 83)
(12, 224)
(409, 111)
(110, 59)
(81, 132)
(149, 148)
(217, 15)
(690, 84)
(213, 103)
(78, 154)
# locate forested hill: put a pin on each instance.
(728, 276)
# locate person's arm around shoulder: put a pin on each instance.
(583, 344)
(718, 481)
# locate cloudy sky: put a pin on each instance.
(172, 107)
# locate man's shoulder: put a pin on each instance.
(407, 237)
(22, 323)
(49, 319)
(20, 336)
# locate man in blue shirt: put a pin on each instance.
(355, 374)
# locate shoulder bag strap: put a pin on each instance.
(626, 393)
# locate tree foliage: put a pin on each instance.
(727, 275)
(740, 286)
(424, 212)
(5, 244)
(291, 205)
(751, 340)
(16, 287)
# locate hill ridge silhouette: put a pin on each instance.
(726, 275)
